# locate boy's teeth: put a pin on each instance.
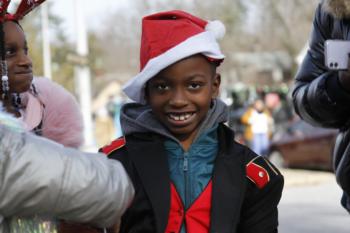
(181, 117)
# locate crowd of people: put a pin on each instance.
(261, 120)
(176, 166)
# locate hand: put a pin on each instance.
(65, 227)
(344, 79)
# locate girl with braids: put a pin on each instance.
(45, 108)
(37, 176)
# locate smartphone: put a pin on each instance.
(337, 54)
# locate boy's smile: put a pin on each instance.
(181, 119)
(181, 94)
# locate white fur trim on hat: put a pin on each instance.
(204, 43)
(217, 28)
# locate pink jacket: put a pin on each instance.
(57, 110)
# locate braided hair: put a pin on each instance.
(4, 77)
(14, 98)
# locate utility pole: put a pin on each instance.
(46, 40)
(82, 75)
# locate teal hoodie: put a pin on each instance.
(191, 170)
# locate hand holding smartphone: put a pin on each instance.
(337, 54)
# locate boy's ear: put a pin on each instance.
(216, 85)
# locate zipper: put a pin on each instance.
(186, 179)
(185, 167)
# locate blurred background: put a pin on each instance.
(92, 48)
(264, 44)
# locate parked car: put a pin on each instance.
(302, 145)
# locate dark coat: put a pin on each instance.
(318, 96)
(238, 205)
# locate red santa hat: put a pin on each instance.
(168, 37)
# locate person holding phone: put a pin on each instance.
(321, 96)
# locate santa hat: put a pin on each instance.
(168, 37)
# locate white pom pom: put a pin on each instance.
(217, 28)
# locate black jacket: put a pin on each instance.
(238, 205)
(318, 96)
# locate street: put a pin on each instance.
(311, 203)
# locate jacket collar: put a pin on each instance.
(340, 9)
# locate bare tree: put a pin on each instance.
(60, 47)
(121, 34)
(284, 24)
(281, 25)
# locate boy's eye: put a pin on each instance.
(161, 87)
(194, 85)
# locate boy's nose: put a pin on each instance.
(178, 99)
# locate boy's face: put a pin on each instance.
(181, 94)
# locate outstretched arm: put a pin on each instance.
(38, 176)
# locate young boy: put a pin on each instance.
(188, 172)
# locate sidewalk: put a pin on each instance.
(311, 203)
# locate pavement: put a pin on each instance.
(311, 203)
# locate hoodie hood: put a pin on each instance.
(138, 118)
(340, 9)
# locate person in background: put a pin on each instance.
(321, 96)
(247, 128)
(44, 107)
(113, 106)
(188, 172)
(261, 124)
(281, 110)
